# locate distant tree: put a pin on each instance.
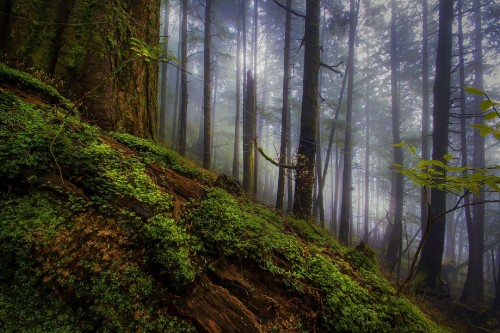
(164, 73)
(474, 282)
(255, 55)
(346, 201)
(432, 252)
(184, 83)
(207, 88)
(425, 105)
(249, 135)
(236, 147)
(285, 110)
(397, 187)
(304, 182)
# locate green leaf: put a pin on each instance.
(490, 116)
(486, 131)
(448, 157)
(412, 149)
(474, 91)
(401, 144)
(486, 104)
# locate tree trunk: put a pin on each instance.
(175, 121)
(366, 221)
(255, 35)
(432, 251)
(304, 182)
(393, 247)
(207, 88)
(184, 87)
(285, 110)
(249, 136)
(474, 282)
(94, 57)
(345, 208)
(496, 303)
(164, 72)
(236, 152)
(425, 107)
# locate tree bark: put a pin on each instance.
(432, 251)
(85, 55)
(184, 87)
(425, 106)
(285, 110)
(345, 208)
(207, 88)
(236, 152)
(249, 136)
(304, 182)
(164, 72)
(397, 192)
(472, 292)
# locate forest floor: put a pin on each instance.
(449, 312)
(109, 232)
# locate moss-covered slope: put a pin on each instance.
(105, 232)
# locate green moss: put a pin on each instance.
(355, 297)
(99, 250)
(169, 247)
(154, 153)
(29, 83)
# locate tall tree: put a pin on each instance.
(207, 87)
(255, 55)
(432, 251)
(345, 207)
(304, 181)
(236, 147)
(366, 208)
(425, 106)
(285, 109)
(397, 190)
(164, 72)
(474, 282)
(184, 85)
(249, 135)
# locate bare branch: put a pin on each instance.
(290, 10)
(332, 68)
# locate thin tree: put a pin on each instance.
(249, 135)
(184, 86)
(345, 207)
(425, 106)
(285, 110)
(397, 186)
(304, 182)
(432, 251)
(236, 152)
(366, 208)
(255, 54)
(473, 288)
(207, 88)
(164, 72)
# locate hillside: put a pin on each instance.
(106, 232)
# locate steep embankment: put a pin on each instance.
(105, 232)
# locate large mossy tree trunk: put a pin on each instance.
(86, 43)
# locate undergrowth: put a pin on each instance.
(89, 242)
